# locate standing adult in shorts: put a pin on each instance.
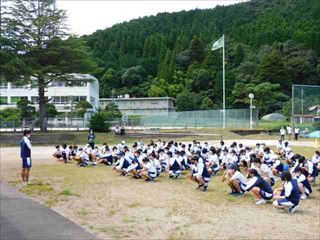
(25, 153)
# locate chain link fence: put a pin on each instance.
(235, 119)
(52, 124)
(305, 107)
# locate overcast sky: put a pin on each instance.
(85, 17)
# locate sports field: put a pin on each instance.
(111, 206)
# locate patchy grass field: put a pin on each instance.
(111, 206)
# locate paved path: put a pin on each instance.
(23, 218)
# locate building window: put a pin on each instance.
(92, 100)
(56, 100)
(78, 83)
(15, 99)
(18, 86)
(57, 84)
(3, 85)
(3, 100)
(79, 98)
(61, 99)
(34, 100)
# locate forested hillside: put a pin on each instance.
(270, 44)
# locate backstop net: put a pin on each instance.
(305, 106)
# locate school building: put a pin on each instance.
(64, 95)
(141, 106)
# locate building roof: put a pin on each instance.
(137, 99)
(78, 76)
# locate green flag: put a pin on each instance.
(218, 44)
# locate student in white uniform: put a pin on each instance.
(148, 171)
(174, 166)
(213, 162)
(260, 188)
(201, 176)
(121, 164)
(105, 157)
(289, 131)
(290, 195)
(264, 171)
(280, 148)
(236, 180)
(316, 159)
(303, 183)
(282, 133)
(57, 153)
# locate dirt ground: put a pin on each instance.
(111, 206)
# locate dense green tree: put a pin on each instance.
(267, 98)
(99, 123)
(26, 110)
(112, 111)
(134, 76)
(10, 114)
(51, 110)
(201, 79)
(157, 91)
(207, 104)
(82, 107)
(35, 30)
(186, 101)
(272, 69)
(110, 80)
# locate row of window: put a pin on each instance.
(66, 99)
(57, 99)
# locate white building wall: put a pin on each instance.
(90, 91)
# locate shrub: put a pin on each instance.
(98, 123)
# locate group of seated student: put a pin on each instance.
(245, 169)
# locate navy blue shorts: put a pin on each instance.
(26, 162)
(266, 195)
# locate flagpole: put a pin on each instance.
(223, 86)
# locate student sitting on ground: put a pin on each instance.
(260, 188)
(312, 170)
(264, 171)
(163, 158)
(148, 171)
(277, 168)
(174, 167)
(135, 166)
(83, 158)
(213, 162)
(122, 164)
(201, 176)
(303, 183)
(268, 157)
(316, 159)
(280, 149)
(106, 157)
(65, 153)
(290, 195)
(57, 153)
(236, 180)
